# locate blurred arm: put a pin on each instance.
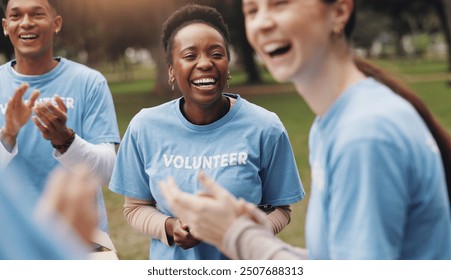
(70, 196)
(247, 240)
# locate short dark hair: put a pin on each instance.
(54, 3)
(188, 14)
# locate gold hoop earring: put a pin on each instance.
(337, 32)
(229, 78)
(171, 83)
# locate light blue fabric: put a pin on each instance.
(378, 185)
(247, 151)
(90, 113)
(22, 237)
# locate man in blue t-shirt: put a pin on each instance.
(73, 118)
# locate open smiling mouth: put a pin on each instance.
(206, 82)
(29, 37)
(277, 49)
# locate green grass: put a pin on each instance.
(426, 78)
(142, 86)
(437, 96)
(414, 67)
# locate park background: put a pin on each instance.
(409, 38)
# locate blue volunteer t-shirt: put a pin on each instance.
(90, 113)
(247, 151)
(378, 185)
(22, 237)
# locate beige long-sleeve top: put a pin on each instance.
(247, 240)
(145, 217)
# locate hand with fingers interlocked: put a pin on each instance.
(209, 214)
(181, 234)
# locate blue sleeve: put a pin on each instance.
(99, 120)
(280, 176)
(368, 198)
(129, 174)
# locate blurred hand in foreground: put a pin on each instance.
(72, 196)
(209, 214)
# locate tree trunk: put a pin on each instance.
(235, 19)
(253, 73)
(160, 15)
(443, 9)
(161, 87)
(6, 47)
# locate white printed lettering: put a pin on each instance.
(178, 162)
(205, 162)
(167, 161)
(197, 162)
(70, 103)
(225, 160)
(242, 158)
(233, 159)
(216, 159)
(3, 108)
(187, 166)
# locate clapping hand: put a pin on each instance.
(17, 114)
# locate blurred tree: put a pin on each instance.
(443, 8)
(233, 15)
(157, 17)
(84, 33)
(99, 31)
(104, 31)
(370, 26)
(410, 16)
(403, 14)
(5, 47)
